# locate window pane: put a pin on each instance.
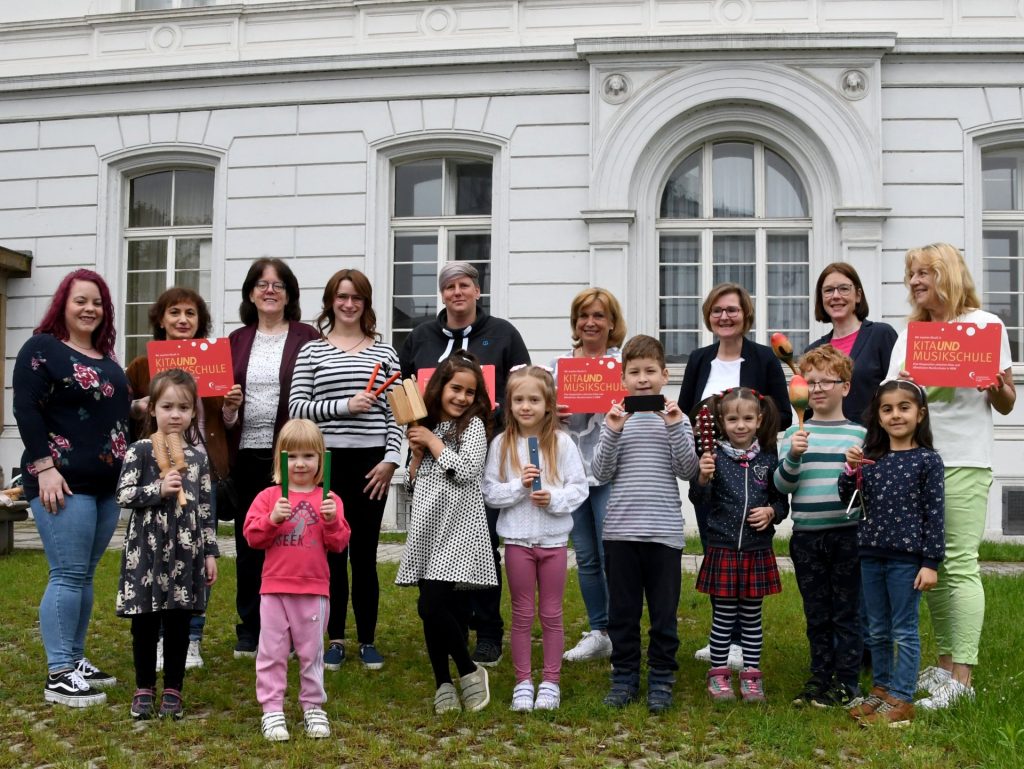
(471, 247)
(679, 281)
(149, 200)
(784, 192)
(147, 255)
(409, 311)
(1000, 243)
(732, 179)
(418, 188)
(678, 345)
(473, 188)
(416, 248)
(134, 346)
(681, 198)
(192, 254)
(193, 198)
(415, 278)
(999, 174)
(787, 315)
(683, 314)
(1003, 281)
(679, 249)
(136, 318)
(787, 265)
(145, 286)
(734, 261)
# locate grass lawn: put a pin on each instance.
(384, 719)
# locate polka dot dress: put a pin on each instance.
(448, 539)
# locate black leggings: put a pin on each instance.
(442, 630)
(364, 515)
(252, 474)
(146, 633)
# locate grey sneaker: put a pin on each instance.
(446, 699)
(476, 692)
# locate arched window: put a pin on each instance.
(733, 211)
(168, 242)
(1003, 232)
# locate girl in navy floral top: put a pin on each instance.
(900, 480)
(71, 403)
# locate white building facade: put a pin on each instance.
(652, 147)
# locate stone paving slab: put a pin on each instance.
(27, 538)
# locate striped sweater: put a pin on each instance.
(322, 383)
(812, 479)
(642, 463)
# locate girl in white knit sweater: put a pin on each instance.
(535, 524)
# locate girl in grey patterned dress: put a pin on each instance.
(169, 548)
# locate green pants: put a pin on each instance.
(957, 603)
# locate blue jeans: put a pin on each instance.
(587, 528)
(892, 606)
(74, 540)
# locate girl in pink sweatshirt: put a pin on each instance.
(296, 529)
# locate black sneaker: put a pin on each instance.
(487, 653)
(812, 693)
(171, 705)
(246, 647)
(69, 688)
(843, 696)
(621, 694)
(93, 676)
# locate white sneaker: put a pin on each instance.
(931, 678)
(194, 657)
(703, 654)
(317, 725)
(593, 645)
(948, 694)
(735, 657)
(159, 655)
(549, 696)
(522, 697)
(274, 727)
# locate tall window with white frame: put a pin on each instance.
(168, 242)
(733, 211)
(440, 212)
(1003, 232)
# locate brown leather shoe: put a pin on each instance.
(892, 712)
(869, 704)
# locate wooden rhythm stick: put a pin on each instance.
(800, 397)
(407, 404)
(393, 378)
(783, 350)
(373, 378)
(170, 456)
(705, 431)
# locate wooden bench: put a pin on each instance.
(8, 516)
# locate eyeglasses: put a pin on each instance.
(825, 385)
(354, 298)
(263, 285)
(843, 289)
(732, 312)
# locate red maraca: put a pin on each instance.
(783, 350)
(799, 396)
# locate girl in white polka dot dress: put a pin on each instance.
(448, 545)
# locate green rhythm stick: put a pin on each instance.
(327, 473)
(284, 474)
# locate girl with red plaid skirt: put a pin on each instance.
(739, 568)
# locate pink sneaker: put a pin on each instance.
(751, 686)
(720, 685)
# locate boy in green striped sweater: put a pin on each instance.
(824, 542)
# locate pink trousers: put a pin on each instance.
(537, 571)
(288, 621)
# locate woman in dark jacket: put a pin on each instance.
(839, 299)
(263, 356)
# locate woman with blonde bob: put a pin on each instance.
(598, 328)
(941, 289)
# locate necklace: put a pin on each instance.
(79, 347)
(350, 349)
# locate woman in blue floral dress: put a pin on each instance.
(71, 403)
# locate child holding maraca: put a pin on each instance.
(297, 523)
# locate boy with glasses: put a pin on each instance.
(824, 542)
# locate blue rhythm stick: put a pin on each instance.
(534, 458)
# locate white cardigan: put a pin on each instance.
(521, 522)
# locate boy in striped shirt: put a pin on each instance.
(824, 542)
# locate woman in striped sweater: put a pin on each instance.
(330, 387)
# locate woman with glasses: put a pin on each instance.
(731, 361)
(839, 299)
(263, 356)
(338, 384)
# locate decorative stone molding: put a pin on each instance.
(616, 88)
(166, 37)
(730, 12)
(854, 84)
(438, 20)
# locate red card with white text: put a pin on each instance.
(207, 360)
(941, 354)
(589, 385)
(424, 374)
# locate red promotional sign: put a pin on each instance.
(953, 354)
(424, 374)
(207, 360)
(589, 385)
